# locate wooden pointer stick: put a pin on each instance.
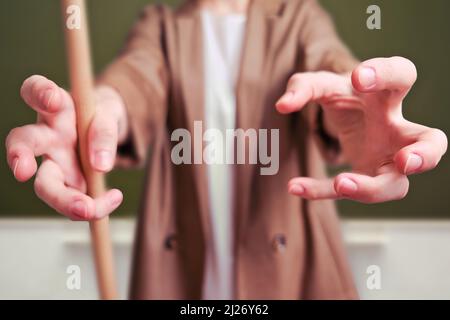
(82, 89)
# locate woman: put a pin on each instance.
(220, 230)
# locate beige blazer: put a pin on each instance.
(285, 247)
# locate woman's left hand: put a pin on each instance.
(364, 112)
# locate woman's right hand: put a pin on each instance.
(59, 181)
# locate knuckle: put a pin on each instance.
(103, 133)
(295, 80)
(431, 164)
(13, 135)
(404, 60)
(20, 136)
(413, 73)
(104, 140)
(407, 64)
(440, 135)
(39, 186)
(23, 88)
(413, 69)
(403, 188)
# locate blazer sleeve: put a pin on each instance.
(322, 50)
(139, 74)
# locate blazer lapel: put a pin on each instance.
(262, 26)
(262, 29)
(190, 44)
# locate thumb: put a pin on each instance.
(103, 140)
(393, 76)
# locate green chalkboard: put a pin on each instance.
(32, 43)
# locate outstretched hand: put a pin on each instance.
(364, 112)
(59, 181)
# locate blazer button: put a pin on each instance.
(279, 242)
(171, 242)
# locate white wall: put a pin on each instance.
(414, 257)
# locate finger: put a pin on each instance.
(50, 187)
(385, 187)
(67, 160)
(396, 75)
(103, 138)
(304, 88)
(43, 95)
(25, 143)
(312, 189)
(422, 155)
(362, 188)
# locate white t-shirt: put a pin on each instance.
(222, 46)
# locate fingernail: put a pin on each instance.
(367, 77)
(15, 164)
(413, 163)
(346, 187)
(296, 189)
(103, 160)
(79, 209)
